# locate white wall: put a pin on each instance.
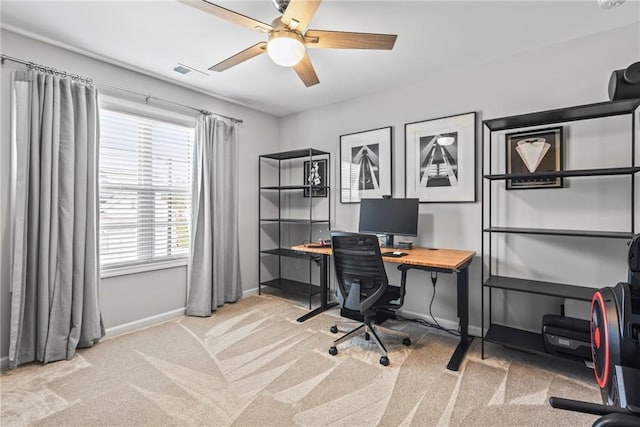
(571, 73)
(127, 299)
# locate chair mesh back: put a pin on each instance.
(357, 260)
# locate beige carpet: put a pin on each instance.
(252, 364)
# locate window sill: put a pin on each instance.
(141, 268)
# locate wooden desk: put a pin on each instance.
(440, 260)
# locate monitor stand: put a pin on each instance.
(388, 241)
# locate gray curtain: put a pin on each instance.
(54, 266)
(214, 261)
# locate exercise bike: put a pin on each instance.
(615, 350)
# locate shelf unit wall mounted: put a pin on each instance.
(285, 213)
(494, 186)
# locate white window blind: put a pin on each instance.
(145, 190)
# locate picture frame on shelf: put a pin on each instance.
(315, 174)
(534, 151)
(366, 165)
(440, 159)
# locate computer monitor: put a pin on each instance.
(389, 216)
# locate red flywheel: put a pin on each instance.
(600, 350)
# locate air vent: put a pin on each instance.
(181, 69)
(185, 69)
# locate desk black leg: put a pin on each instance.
(324, 290)
(463, 314)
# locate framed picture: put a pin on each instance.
(365, 165)
(315, 173)
(440, 159)
(531, 152)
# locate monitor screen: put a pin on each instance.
(389, 216)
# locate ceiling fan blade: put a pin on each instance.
(305, 71)
(239, 57)
(346, 40)
(299, 13)
(228, 15)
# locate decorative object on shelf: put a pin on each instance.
(365, 165)
(625, 84)
(440, 157)
(531, 152)
(315, 173)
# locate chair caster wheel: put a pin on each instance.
(384, 361)
(367, 336)
(406, 341)
(334, 329)
(333, 351)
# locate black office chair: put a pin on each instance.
(365, 288)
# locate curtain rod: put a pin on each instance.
(147, 98)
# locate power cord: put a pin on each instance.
(434, 324)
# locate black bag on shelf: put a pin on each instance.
(566, 337)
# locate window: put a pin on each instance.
(145, 191)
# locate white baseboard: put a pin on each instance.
(445, 323)
(159, 318)
(248, 292)
(147, 321)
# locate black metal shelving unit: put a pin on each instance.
(280, 163)
(518, 338)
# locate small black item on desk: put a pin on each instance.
(404, 244)
(394, 254)
(320, 244)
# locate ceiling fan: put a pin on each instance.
(288, 40)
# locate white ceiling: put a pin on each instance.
(432, 37)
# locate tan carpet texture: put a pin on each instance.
(252, 364)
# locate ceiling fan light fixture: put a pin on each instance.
(286, 48)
